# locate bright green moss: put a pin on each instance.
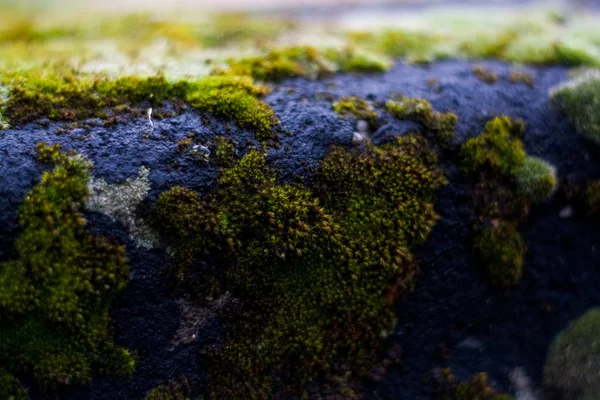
(293, 256)
(357, 108)
(535, 179)
(485, 75)
(501, 251)
(498, 149)
(443, 125)
(224, 154)
(352, 60)
(10, 388)
(579, 98)
(175, 389)
(573, 360)
(236, 98)
(56, 293)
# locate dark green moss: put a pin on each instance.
(175, 389)
(477, 387)
(224, 154)
(357, 108)
(443, 125)
(293, 256)
(485, 75)
(56, 293)
(501, 251)
(498, 150)
(10, 388)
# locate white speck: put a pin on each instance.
(358, 137)
(362, 126)
(566, 212)
(149, 113)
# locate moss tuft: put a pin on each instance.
(501, 251)
(521, 77)
(224, 155)
(573, 360)
(56, 293)
(10, 388)
(476, 388)
(357, 108)
(579, 98)
(498, 149)
(175, 389)
(443, 125)
(292, 257)
(485, 75)
(535, 179)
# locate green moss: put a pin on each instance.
(443, 125)
(357, 108)
(236, 98)
(224, 154)
(10, 388)
(485, 75)
(521, 77)
(56, 293)
(351, 60)
(592, 197)
(579, 98)
(535, 179)
(293, 256)
(498, 149)
(49, 154)
(573, 360)
(501, 251)
(175, 389)
(477, 387)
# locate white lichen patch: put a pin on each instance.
(119, 201)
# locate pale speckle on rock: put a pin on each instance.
(119, 202)
(566, 212)
(471, 343)
(362, 126)
(522, 385)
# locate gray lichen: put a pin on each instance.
(119, 201)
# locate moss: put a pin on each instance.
(351, 60)
(477, 387)
(535, 179)
(70, 98)
(10, 388)
(579, 98)
(224, 154)
(293, 256)
(498, 149)
(573, 359)
(357, 108)
(501, 250)
(443, 125)
(485, 75)
(49, 154)
(521, 77)
(176, 389)
(236, 98)
(56, 293)
(592, 197)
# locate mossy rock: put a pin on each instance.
(573, 360)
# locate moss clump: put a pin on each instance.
(497, 150)
(56, 294)
(351, 60)
(293, 256)
(357, 108)
(10, 388)
(175, 389)
(485, 75)
(521, 77)
(573, 360)
(535, 179)
(579, 98)
(224, 154)
(476, 388)
(443, 125)
(236, 98)
(501, 251)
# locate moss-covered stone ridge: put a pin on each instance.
(68, 97)
(294, 254)
(56, 292)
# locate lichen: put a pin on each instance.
(57, 290)
(443, 125)
(291, 256)
(535, 179)
(120, 201)
(579, 98)
(501, 250)
(358, 108)
(573, 359)
(498, 150)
